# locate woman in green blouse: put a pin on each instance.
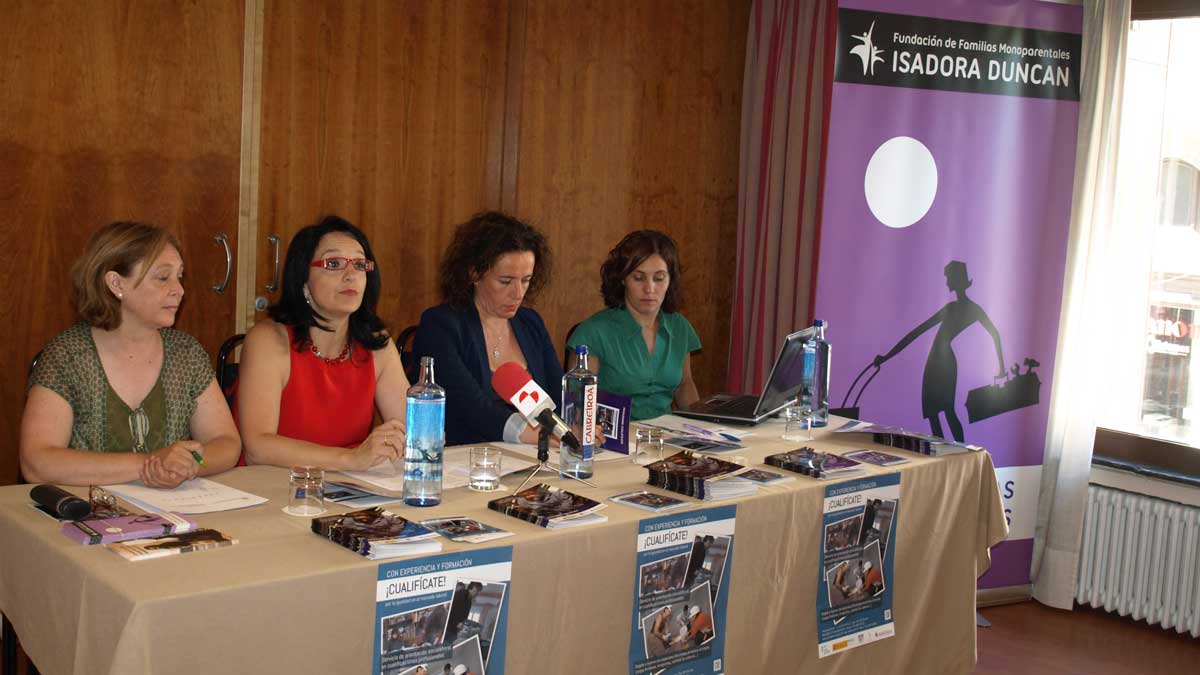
(640, 346)
(122, 396)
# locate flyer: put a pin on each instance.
(446, 613)
(680, 594)
(855, 590)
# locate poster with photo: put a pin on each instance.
(680, 594)
(854, 592)
(446, 613)
(948, 267)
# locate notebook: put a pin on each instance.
(783, 384)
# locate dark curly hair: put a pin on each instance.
(476, 246)
(366, 328)
(626, 256)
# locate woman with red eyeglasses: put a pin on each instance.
(312, 376)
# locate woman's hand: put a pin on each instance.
(385, 443)
(530, 436)
(168, 467)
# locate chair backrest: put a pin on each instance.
(408, 358)
(28, 376)
(227, 368)
(32, 365)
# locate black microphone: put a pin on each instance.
(515, 385)
(558, 427)
(62, 504)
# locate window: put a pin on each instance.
(1179, 185)
(1158, 195)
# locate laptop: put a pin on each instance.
(782, 386)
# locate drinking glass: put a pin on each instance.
(306, 496)
(648, 446)
(797, 423)
(484, 473)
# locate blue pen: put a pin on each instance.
(699, 430)
(730, 437)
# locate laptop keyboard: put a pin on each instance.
(741, 407)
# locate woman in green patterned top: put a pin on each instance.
(122, 396)
(641, 346)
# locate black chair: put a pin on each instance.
(8, 634)
(227, 372)
(408, 358)
(8, 660)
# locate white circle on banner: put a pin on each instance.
(901, 181)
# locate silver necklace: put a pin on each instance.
(496, 348)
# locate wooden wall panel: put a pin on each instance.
(111, 110)
(630, 119)
(390, 115)
(589, 119)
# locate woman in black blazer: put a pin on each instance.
(493, 265)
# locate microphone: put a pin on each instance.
(62, 504)
(515, 385)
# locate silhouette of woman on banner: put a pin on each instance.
(941, 368)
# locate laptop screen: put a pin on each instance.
(787, 374)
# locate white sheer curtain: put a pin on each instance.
(1104, 268)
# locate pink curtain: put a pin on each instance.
(785, 95)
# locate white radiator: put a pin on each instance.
(1141, 558)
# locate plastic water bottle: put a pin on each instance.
(424, 439)
(579, 390)
(818, 384)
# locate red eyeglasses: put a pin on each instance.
(337, 264)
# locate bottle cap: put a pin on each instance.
(581, 349)
(819, 323)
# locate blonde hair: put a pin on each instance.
(116, 247)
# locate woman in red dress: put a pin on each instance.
(312, 376)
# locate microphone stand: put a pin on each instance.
(543, 448)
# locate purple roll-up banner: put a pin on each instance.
(943, 240)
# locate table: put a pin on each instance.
(284, 600)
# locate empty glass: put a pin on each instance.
(484, 475)
(797, 423)
(306, 496)
(648, 446)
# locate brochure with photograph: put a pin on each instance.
(354, 496)
(124, 528)
(650, 501)
(819, 465)
(700, 476)
(377, 533)
(612, 414)
(159, 547)
(764, 477)
(700, 444)
(913, 441)
(469, 530)
(550, 507)
(875, 457)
